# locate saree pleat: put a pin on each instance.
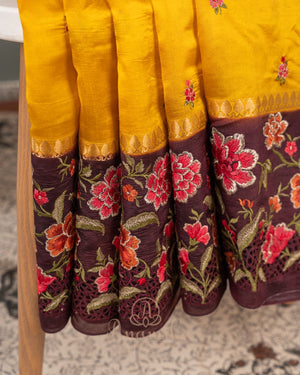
(165, 158)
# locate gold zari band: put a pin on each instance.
(53, 149)
(250, 107)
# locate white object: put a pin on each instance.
(10, 24)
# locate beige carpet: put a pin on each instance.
(231, 341)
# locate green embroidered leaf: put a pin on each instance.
(215, 284)
(87, 172)
(194, 212)
(248, 232)
(266, 168)
(141, 220)
(140, 167)
(100, 256)
(205, 259)
(37, 185)
(297, 227)
(239, 274)
(56, 301)
(220, 200)
(217, 10)
(95, 269)
(130, 160)
(139, 183)
(156, 261)
(234, 220)
(60, 273)
(190, 286)
(224, 6)
(127, 167)
(103, 300)
(140, 274)
(261, 275)
(83, 222)
(58, 210)
(209, 202)
(128, 292)
(292, 260)
(164, 288)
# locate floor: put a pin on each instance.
(231, 341)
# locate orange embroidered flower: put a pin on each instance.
(129, 193)
(295, 192)
(245, 202)
(72, 167)
(127, 244)
(61, 236)
(274, 129)
(274, 202)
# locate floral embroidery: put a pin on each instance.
(291, 148)
(169, 229)
(230, 232)
(61, 236)
(276, 240)
(282, 71)
(162, 267)
(230, 261)
(295, 192)
(40, 197)
(105, 277)
(189, 94)
(198, 232)
(217, 5)
(158, 183)
(141, 281)
(184, 260)
(274, 129)
(186, 176)
(72, 167)
(232, 162)
(275, 203)
(129, 193)
(127, 245)
(106, 194)
(43, 280)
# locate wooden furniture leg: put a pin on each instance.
(31, 337)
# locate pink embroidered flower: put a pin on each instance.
(141, 281)
(105, 278)
(189, 94)
(291, 148)
(158, 183)
(198, 232)
(106, 194)
(295, 192)
(276, 240)
(282, 71)
(231, 232)
(184, 260)
(232, 162)
(162, 267)
(217, 5)
(274, 129)
(43, 280)
(186, 176)
(127, 245)
(169, 229)
(40, 197)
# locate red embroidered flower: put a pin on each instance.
(295, 192)
(43, 280)
(169, 229)
(276, 240)
(162, 267)
(186, 176)
(232, 163)
(274, 129)
(70, 263)
(217, 5)
(62, 236)
(275, 203)
(282, 71)
(189, 94)
(231, 232)
(105, 278)
(198, 232)
(106, 194)
(230, 261)
(291, 148)
(129, 193)
(40, 197)
(245, 202)
(72, 167)
(158, 183)
(127, 245)
(184, 260)
(141, 281)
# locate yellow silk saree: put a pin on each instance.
(165, 158)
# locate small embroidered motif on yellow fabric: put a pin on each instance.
(250, 107)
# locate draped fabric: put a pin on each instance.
(165, 158)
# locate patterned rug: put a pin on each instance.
(231, 341)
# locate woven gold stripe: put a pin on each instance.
(250, 107)
(53, 149)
